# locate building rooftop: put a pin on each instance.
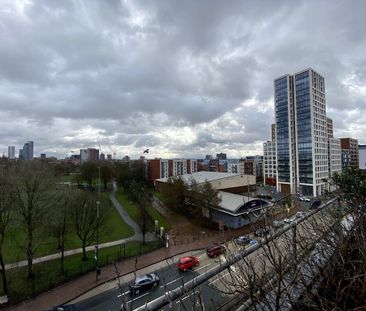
(233, 204)
(201, 177)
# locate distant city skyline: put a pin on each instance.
(184, 79)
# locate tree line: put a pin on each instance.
(32, 200)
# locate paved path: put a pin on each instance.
(124, 215)
(136, 237)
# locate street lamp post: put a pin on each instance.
(97, 246)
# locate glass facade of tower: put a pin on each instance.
(303, 123)
(282, 128)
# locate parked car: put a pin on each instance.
(242, 240)
(253, 242)
(277, 223)
(144, 283)
(289, 220)
(304, 199)
(300, 214)
(261, 232)
(187, 262)
(215, 250)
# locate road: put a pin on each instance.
(111, 296)
(211, 294)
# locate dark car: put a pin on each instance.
(315, 204)
(261, 232)
(215, 250)
(144, 283)
(242, 240)
(187, 262)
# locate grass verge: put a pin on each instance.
(112, 228)
(48, 274)
(134, 212)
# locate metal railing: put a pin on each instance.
(176, 293)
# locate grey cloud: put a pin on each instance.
(132, 71)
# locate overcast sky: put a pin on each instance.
(183, 78)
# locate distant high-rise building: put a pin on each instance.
(349, 152)
(102, 157)
(93, 154)
(126, 158)
(273, 132)
(301, 133)
(191, 166)
(11, 152)
(221, 156)
(90, 154)
(334, 154)
(269, 163)
(83, 156)
(43, 156)
(27, 151)
(208, 157)
(109, 157)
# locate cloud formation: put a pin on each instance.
(183, 78)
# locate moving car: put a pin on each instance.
(215, 250)
(289, 220)
(300, 214)
(144, 283)
(261, 232)
(315, 204)
(242, 240)
(187, 262)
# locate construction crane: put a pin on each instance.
(114, 153)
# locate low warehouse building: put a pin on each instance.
(236, 211)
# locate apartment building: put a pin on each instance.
(349, 152)
(301, 133)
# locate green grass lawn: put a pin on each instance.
(134, 212)
(130, 207)
(155, 215)
(112, 228)
(48, 274)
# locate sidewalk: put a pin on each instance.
(79, 286)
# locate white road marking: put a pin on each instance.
(194, 293)
(138, 297)
(120, 295)
(171, 282)
(205, 266)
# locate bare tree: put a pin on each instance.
(280, 272)
(85, 220)
(59, 223)
(6, 203)
(34, 193)
(89, 172)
